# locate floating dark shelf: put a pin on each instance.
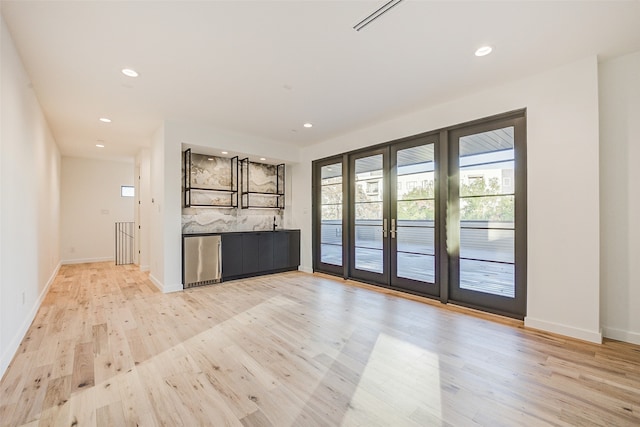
(213, 190)
(274, 172)
(262, 193)
(233, 193)
(193, 205)
(261, 207)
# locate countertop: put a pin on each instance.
(217, 233)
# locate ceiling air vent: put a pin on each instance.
(377, 14)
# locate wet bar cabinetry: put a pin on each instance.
(254, 253)
(253, 195)
(261, 252)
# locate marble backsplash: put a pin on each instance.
(261, 177)
(211, 172)
(213, 220)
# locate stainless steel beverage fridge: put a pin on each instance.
(202, 260)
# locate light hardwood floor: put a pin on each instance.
(108, 349)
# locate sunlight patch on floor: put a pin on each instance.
(404, 379)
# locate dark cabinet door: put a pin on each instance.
(294, 248)
(250, 253)
(231, 255)
(253, 253)
(281, 249)
(266, 251)
(286, 249)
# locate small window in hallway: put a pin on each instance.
(127, 191)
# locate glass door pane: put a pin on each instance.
(369, 214)
(331, 214)
(487, 223)
(413, 222)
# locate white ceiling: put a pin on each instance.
(265, 67)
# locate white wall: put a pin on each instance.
(29, 202)
(143, 209)
(563, 199)
(91, 204)
(172, 210)
(620, 197)
(301, 204)
(156, 218)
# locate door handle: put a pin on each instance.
(393, 228)
(384, 228)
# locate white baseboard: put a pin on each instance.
(568, 331)
(621, 335)
(305, 269)
(173, 288)
(85, 260)
(144, 268)
(11, 349)
(165, 289)
(156, 282)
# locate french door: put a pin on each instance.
(487, 195)
(441, 214)
(330, 188)
(392, 215)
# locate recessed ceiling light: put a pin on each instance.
(307, 125)
(484, 50)
(129, 72)
(105, 120)
(262, 158)
(225, 152)
(100, 145)
(210, 158)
